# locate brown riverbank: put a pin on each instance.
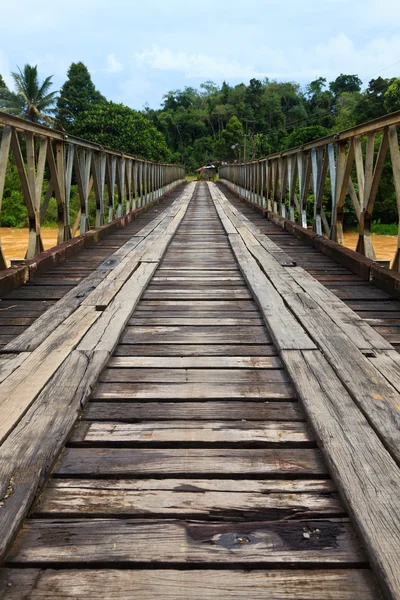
(15, 242)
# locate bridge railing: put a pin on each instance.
(309, 183)
(48, 162)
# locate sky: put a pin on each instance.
(138, 51)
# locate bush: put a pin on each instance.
(14, 212)
(384, 228)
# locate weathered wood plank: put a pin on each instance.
(210, 410)
(55, 315)
(199, 432)
(185, 334)
(20, 388)
(193, 390)
(10, 362)
(366, 474)
(318, 314)
(196, 362)
(319, 487)
(192, 321)
(136, 461)
(197, 350)
(162, 584)
(106, 499)
(114, 541)
(205, 305)
(283, 328)
(175, 375)
(198, 293)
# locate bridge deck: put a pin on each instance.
(194, 471)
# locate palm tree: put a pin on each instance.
(31, 100)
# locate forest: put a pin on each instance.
(211, 124)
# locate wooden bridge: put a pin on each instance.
(198, 401)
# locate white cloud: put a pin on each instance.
(113, 65)
(193, 65)
(340, 54)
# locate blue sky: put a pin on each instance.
(137, 51)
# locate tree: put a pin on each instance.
(392, 96)
(302, 135)
(3, 85)
(371, 105)
(345, 83)
(227, 147)
(31, 100)
(77, 95)
(122, 128)
(346, 110)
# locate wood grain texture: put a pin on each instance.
(175, 375)
(19, 390)
(359, 462)
(127, 541)
(190, 391)
(198, 432)
(104, 501)
(163, 584)
(195, 335)
(209, 410)
(144, 461)
(318, 313)
(195, 362)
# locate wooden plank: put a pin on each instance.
(198, 432)
(196, 362)
(30, 450)
(193, 390)
(357, 459)
(317, 313)
(205, 305)
(104, 462)
(318, 487)
(55, 315)
(148, 247)
(104, 498)
(284, 329)
(163, 410)
(175, 375)
(195, 350)
(198, 293)
(20, 388)
(208, 321)
(106, 333)
(71, 385)
(163, 584)
(10, 362)
(387, 362)
(196, 335)
(323, 541)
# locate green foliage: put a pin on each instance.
(121, 128)
(392, 96)
(345, 84)
(77, 95)
(302, 135)
(383, 228)
(3, 85)
(210, 124)
(229, 141)
(31, 99)
(13, 211)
